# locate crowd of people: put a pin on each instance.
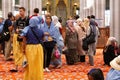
(39, 41)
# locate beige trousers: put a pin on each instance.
(7, 49)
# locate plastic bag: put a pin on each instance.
(57, 53)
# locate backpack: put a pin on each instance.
(90, 38)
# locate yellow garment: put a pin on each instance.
(34, 55)
(17, 51)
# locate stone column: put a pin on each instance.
(30, 5)
(99, 11)
(35, 4)
(6, 7)
(24, 3)
(54, 7)
(115, 19)
(68, 9)
(82, 9)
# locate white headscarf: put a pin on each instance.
(56, 22)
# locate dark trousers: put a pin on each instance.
(45, 55)
(48, 52)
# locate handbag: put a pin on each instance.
(56, 53)
(91, 38)
(85, 45)
(4, 36)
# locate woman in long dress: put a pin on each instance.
(71, 40)
(60, 43)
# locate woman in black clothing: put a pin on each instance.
(110, 50)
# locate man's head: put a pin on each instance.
(76, 17)
(10, 15)
(88, 17)
(92, 16)
(36, 11)
(22, 11)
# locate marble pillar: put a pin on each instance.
(99, 11)
(68, 8)
(115, 19)
(30, 5)
(82, 8)
(35, 4)
(96, 7)
(6, 7)
(24, 3)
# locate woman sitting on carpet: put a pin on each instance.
(110, 51)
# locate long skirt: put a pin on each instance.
(17, 51)
(71, 56)
(34, 55)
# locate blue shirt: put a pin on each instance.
(113, 75)
(54, 33)
(7, 24)
(1, 26)
(30, 37)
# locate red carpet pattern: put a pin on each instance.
(67, 72)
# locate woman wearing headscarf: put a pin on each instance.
(110, 50)
(33, 50)
(60, 41)
(81, 34)
(50, 38)
(71, 41)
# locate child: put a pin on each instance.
(55, 58)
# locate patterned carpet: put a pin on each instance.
(74, 72)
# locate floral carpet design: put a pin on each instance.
(66, 72)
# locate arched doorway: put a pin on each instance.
(62, 11)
